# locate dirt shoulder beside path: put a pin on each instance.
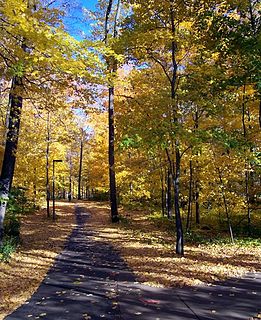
(150, 252)
(42, 241)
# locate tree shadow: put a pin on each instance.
(90, 280)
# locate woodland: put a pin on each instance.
(155, 109)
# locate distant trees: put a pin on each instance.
(184, 107)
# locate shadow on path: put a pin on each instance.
(90, 280)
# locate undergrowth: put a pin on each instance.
(18, 205)
(209, 233)
(8, 246)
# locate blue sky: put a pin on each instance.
(75, 22)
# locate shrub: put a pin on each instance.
(8, 247)
(12, 226)
(18, 202)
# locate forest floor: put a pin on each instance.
(41, 241)
(148, 250)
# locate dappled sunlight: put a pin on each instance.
(41, 241)
(150, 252)
(89, 267)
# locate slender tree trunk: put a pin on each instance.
(53, 191)
(162, 193)
(248, 203)
(197, 209)
(189, 196)
(244, 113)
(35, 187)
(169, 193)
(112, 68)
(169, 179)
(113, 189)
(226, 207)
(64, 189)
(70, 179)
(16, 103)
(247, 196)
(179, 229)
(252, 18)
(166, 191)
(80, 171)
(260, 113)
(197, 201)
(7, 117)
(48, 165)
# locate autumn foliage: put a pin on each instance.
(186, 98)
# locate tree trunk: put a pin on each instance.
(247, 196)
(47, 166)
(16, 103)
(162, 192)
(197, 201)
(248, 202)
(169, 197)
(35, 187)
(197, 213)
(226, 207)
(80, 172)
(64, 192)
(260, 114)
(112, 68)
(113, 190)
(189, 196)
(70, 180)
(179, 229)
(82, 191)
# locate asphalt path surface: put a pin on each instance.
(90, 280)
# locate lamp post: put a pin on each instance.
(54, 161)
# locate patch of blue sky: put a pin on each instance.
(75, 19)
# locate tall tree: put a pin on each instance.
(7, 173)
(112, 68)
(48, 133)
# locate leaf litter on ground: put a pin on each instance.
(149, 251)
(41, 241)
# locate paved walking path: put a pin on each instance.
(91, 281)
